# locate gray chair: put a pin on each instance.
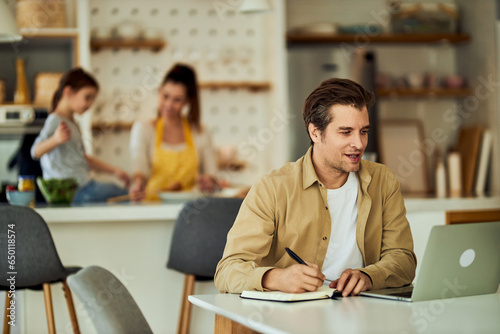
(108, 302)
(198, 242)
(25, 235)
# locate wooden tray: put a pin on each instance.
(401, 149)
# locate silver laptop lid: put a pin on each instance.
(460, 260)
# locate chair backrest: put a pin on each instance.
(25, 236)
(200, 235)
(472, 216)
(107, 301)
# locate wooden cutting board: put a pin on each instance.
(469, 140)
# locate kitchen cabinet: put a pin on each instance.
(49, 50)
(46, 50)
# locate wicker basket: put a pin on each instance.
(41, 14)
(46, 84)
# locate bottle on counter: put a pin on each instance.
(441, 187)
(22, 93)
(27, 183)
(454, 174)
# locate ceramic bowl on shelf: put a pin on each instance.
(454, 81)
(127, 30)
(58, 191)
(415, 80)
(16, 197)
(101, 33)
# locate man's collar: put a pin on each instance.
(309, 176)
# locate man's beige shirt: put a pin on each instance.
(289, 208)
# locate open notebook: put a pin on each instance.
(322, 293)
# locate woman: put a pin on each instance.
(172, 152)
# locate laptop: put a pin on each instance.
(459, 260)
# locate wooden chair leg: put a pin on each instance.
(71, 307)
(47, 295)
(185, 315)
(6, 326)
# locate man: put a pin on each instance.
(344, 216)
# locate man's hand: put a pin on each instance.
(352, 282)
(295, 279)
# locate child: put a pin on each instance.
(59, 146)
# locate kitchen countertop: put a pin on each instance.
(158, 211)
(447, 204)
(147, 211)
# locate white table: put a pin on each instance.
(476, 314)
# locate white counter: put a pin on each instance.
(133, 241)
(163, 211)
(449, 204)
(110, 213)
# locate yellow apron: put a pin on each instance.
(171, 166)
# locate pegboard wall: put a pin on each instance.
(220, 43)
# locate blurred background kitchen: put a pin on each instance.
(256, 68)
(433, 66)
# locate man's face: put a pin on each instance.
(340, 147)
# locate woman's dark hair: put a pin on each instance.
(185, 75)
(331, 92)
(76, 79)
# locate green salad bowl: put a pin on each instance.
(57, 191)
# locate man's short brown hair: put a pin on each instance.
(331, 92)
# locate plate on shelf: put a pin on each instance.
(179, 196)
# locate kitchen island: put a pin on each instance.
(130, 240)
(133, 242)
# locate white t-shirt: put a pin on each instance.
(343, 251)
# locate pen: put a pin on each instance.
(295, 256)
(298, 259)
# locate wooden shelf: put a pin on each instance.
(31, 105)
(49, 33)
(424, 92)
(154, 44)
(252, 86)
(363, 39)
